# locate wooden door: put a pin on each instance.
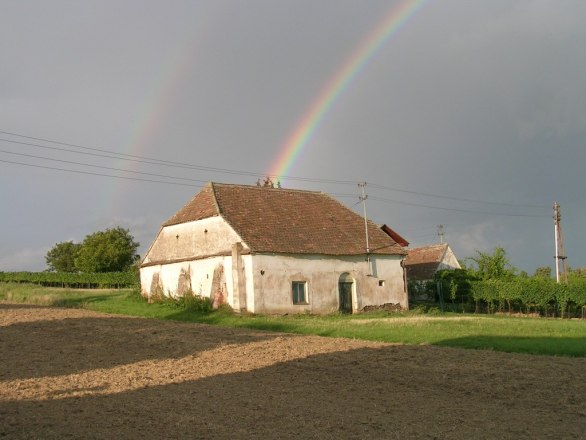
(345, 289)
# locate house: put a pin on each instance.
(273, 250)
(422, 263)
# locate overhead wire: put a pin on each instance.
(109, 154)
(155, 161)
(462, 199)
(97, 174)
(103, 167)
(420, 205)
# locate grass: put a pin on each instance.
(544, 336)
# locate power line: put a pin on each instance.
(103, 167)
(379, 199)
(462, 199)
(155, 161)
(420, 205)
(99, 174)
(99, 152)
(145, 160)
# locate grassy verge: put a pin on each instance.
(500, 333)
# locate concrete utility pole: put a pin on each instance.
(560, 253)
(363, 198)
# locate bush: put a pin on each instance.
(188, 302)
(195, 303)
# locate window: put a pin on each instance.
(381, 283)
(299, 289)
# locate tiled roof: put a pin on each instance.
(287, 221)
(422, 263)
(426, 254)
(202, 205)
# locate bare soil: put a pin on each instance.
(68, 373)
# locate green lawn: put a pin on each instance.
(501, 333)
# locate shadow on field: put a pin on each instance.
(63, 346)
(16, 306)
(393, 392)
(553, 346)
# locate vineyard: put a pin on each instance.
(532, 296)
(106, 280)
(529, 295)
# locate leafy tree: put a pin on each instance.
(456, 282)
(61, 257)
(495, 266)
(579, 272)
(112, 250)
(543, 272)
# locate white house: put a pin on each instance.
(274, 250)
(422, 263)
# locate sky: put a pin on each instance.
(468, 114)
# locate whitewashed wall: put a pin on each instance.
(194, 251)
(201, 274)
(272, 287)
(202, 238)
(449, 261)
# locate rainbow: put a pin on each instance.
(394, 21)
(162, 95)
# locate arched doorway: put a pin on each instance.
(345, 289)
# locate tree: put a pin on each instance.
(543, 272)
(112, 250)
(579, 272)
(61, 257)
(495, 266)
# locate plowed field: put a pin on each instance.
(68, 373)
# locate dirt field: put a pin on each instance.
(77, 374)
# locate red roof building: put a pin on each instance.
(422, 263)
(274, 250)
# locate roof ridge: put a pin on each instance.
(431, 246)
(287, 220)
(214, 197)
(239, 185)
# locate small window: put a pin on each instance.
(381, 283)
(299, 289)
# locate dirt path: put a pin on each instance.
(77, 374)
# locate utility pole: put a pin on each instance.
(560, 253)
(363, 198)
(440, 233)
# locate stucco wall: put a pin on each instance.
(267, 281)
(199, 256)
(449, 261)
(207, 276)
(273, 274)
(210, 236)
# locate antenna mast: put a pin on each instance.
(440, 233)
(560, 253)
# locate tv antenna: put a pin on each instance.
(440, 233)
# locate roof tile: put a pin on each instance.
(287, 221)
